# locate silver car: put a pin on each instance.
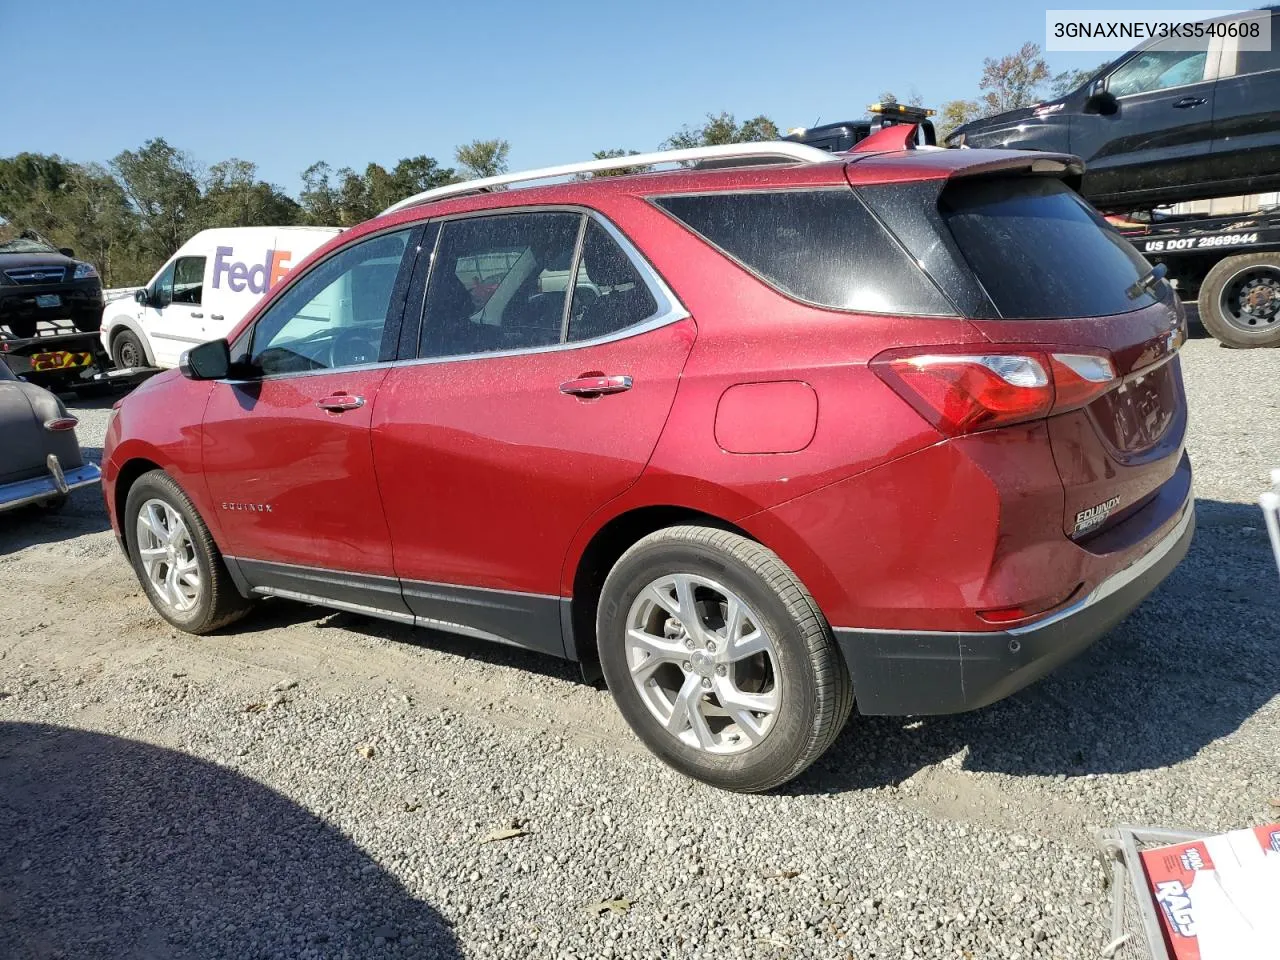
(40, 458)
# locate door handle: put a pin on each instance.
(340, 402)
(1186, 102)
(597, 386)
(216, 316)
(199, 315)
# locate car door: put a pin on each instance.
(1246, 113)
(174, 318)
(531, 402)
(286, 443)
(1161, 128)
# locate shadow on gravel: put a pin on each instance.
(113, 848)
(83, 513)
(1189, 666)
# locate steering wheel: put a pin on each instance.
(349, 348)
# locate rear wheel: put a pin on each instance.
(87, 321)
(126, 350)
(22, 328)
(719, 659)
(1240, 301)
(175, 558)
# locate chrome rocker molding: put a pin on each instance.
(905, 672)
(57, 483)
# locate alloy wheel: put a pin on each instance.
(168, 555)
(703, 663)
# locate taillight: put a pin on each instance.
(963, 393)
(61, 423)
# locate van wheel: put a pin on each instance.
(1240, 301)
(126, 350)
(175, 558)
(719, 659)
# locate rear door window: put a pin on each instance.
(1040, 251)
(820, 246)
(608, 293)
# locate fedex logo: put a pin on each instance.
(257, 278)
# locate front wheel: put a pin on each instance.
(175, 558)
(719, 659)
(126, 350)
(1240, 301)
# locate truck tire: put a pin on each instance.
(87, 322)
(22, 329)
(1240, 301)
(127, 350)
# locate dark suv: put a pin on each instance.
(901, 427)
(40, 282)
(1160, 125)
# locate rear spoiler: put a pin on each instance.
(891, 143)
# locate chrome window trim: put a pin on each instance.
(670, 309)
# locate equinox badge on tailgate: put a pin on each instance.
(1092, 516)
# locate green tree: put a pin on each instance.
(1013, 81)
(483, 158)
(1069, 80)
(721, 128)
(956, 113)
(235, 197)
(615, 171)
(163, 186)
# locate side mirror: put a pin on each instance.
(142, 296)
(208, 361)
(1103, 102)
(66, 251)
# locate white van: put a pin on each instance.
(204, 290)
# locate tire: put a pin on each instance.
(798, 674)
(23, 329)
(214, 602)
(87, 322)
(127, 350)
(1227, 288)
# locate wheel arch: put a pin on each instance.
(597, 558)
(120, 324)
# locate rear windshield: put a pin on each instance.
(820, 246)
(1040, 251)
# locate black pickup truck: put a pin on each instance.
(1160, 125)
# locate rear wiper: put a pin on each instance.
(1147, 282)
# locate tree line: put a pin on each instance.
(128, 216)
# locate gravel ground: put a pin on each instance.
(323, 785)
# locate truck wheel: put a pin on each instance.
(22, 329)
(126, 350)
(1240, 301)
(719, 659)
(87, 322)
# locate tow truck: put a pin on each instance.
(57, 357)
(1229, 266)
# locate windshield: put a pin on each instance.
(23, 245)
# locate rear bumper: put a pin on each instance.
(79, 296)
(902, 672)
(53, 484)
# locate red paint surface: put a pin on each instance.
(777, 417)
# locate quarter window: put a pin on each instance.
(188, 280)
(608, 293)
(820, 246)
(334, 316)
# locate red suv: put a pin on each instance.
(756, 440)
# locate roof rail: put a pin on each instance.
(778, 149)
